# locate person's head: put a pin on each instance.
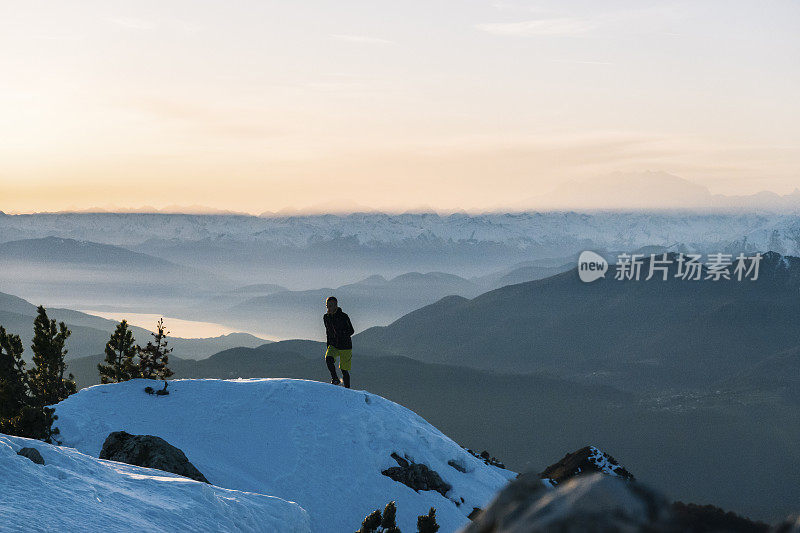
(331, 303)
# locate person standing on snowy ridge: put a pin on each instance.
(338, 330)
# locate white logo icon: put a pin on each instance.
(591, 266)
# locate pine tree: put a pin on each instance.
(153, 358)
(19, 413)
(13, 387)
(375, 522)
(120, 350)
(427, 523)
(371, 523)
(388, 522)
(47, 382)
(36, 422)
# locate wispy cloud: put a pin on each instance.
(537, 10)
(581, 62)
(549, 26)
(190, 27)
(219, 120)
(134, 23)
(53, 37)
(360, 39)
(164, 24)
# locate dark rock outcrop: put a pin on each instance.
(587, 460)
(487, 458)
(588, 503)
(458, 466)
(598, 502)
(416, 475)
(790, 525)
(148, 451)
(32, 454)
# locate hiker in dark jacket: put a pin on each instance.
(338, 330)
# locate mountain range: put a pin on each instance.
(99, 276)
(295, 251)
(88, 274)
(637, 335)
(372, 301)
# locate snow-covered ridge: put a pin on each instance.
(604, 463)
(583, 461)
(75, 492)
(321, 446)
(617, 230)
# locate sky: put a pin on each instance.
(256, 106)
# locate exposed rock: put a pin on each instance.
(148, 451)
(416, 475)
(487, 458)
(402, 462)
(32, 454)
(588, 503)
(597, 502)
(509, 502)
(587, 460)
(160, 392)
(790, 525)
(456, 465)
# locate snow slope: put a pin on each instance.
(75, 492)
(316, 444)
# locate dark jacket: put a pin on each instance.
(338, 329)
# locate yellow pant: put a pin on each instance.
(345, 357)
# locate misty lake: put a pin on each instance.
(177, 327)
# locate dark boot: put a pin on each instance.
(346, 378)
(332, 369)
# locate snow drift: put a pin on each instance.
(75, 492)
(321, 446)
